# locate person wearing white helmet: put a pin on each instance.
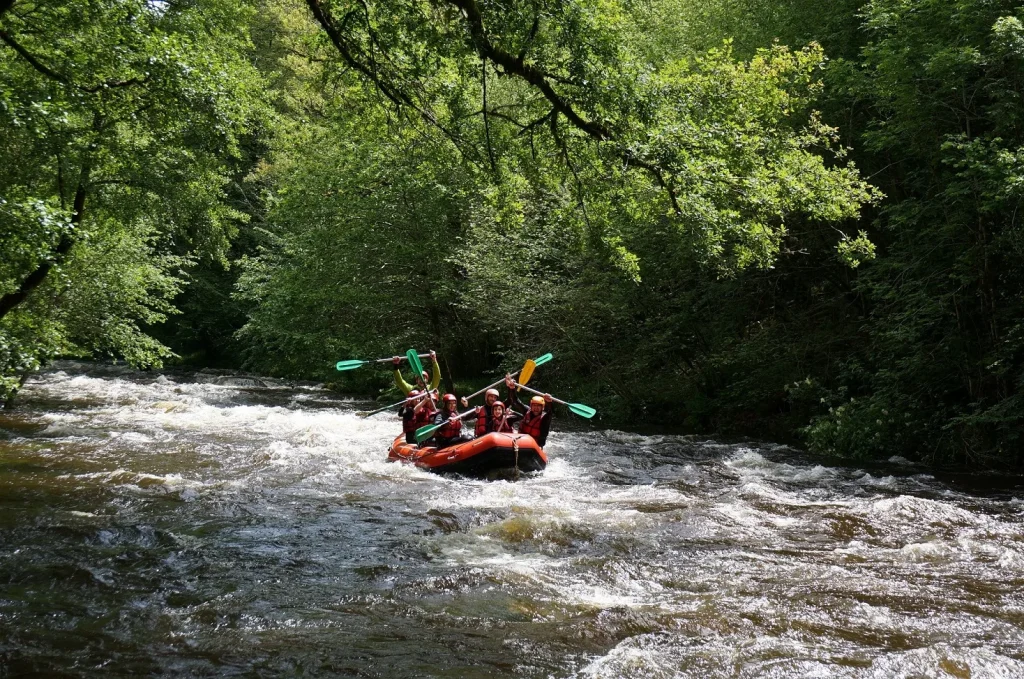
(483, 413)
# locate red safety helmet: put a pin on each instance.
(449, 398)
(497, 403)
(414, 392)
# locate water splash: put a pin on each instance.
(220, 524)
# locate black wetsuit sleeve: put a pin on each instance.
(514, 403)
(545, 424)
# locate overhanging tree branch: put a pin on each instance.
(508, 64)
(397, 96)
(27, 56)
(59, 77)
(516, 66)
(347, 53)
(67, 239)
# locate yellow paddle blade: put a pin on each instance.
(527, 371)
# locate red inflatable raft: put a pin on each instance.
(480, 457)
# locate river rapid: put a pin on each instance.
(202, 525)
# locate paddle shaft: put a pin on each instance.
(540, 360)
(385, 360)
(393, 405)
(574, 408)
(539, 393)
(353, 364)
(423, 433)
(491, 386)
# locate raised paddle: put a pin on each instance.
(414, 363)
(577, 408)
(540, 360)
(363, 413)
(353, 364)
(527, 372)
(424, 433)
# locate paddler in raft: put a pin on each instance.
(415, 413)
(450, 433)
(537, 419)
(421, 381)
(501, 419)
(483, 413)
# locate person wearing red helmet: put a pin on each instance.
(537, 418)
(501, 419)
(450, 432)
(415, 413)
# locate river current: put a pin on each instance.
(209, 525)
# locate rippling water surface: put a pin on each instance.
(204, 525)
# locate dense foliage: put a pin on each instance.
(668, 195)
(119, 123)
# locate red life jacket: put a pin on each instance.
(408, 425)
(449, 429)
(482, 418)
(531, 424)
(499, 426)
(423, 417)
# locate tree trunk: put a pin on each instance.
(36, 278)
(435, 330)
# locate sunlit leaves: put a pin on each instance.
(136, 110)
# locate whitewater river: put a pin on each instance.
(205, 525)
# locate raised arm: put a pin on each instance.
(399, 381)
(435, 371)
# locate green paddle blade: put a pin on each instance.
(541, 360)
(349, 365)
(414, 362)
(582, 410)
(424, 433)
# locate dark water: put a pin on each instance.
(209, 526)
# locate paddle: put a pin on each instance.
(363, 413)
(424, 433)
(540, 360)
(527, 372)
(353, 364)
(414, 363)
(577, 408)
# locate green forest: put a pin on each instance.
(733, 217)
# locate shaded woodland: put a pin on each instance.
(737, 217)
